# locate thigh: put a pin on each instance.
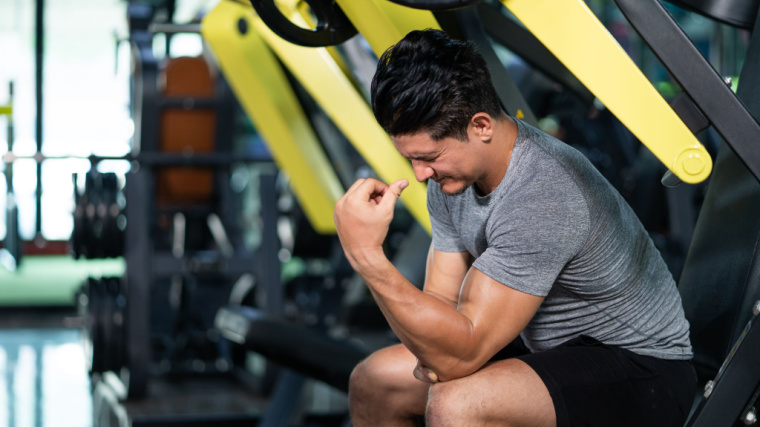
(592, 384)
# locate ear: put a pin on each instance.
(482, 125)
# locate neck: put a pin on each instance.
(497, 155)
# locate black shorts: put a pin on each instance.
(593, 384)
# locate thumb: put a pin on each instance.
(396, 188)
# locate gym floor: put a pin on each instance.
(43, 374)
(43, 378)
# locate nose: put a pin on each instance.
(421, 170)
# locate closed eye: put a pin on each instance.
(425, 158)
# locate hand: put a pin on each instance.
(425, 374)
(363, 215)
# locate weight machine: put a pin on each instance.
(668, 131)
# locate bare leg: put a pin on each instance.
(384, 392)
(503, 393)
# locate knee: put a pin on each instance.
(374, 376)
(383, 391)
(447, 405)
(360, 380)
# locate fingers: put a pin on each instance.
(425, 374)
(396, 188)
(366, 187)
(373, 189)
(353, 187)
(342, 201)
(356, 183)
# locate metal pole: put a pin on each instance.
(39, 35)
(9, 164)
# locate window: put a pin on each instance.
(85, 108)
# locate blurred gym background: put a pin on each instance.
(142, 197)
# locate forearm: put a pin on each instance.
(434, 329)
(429, 325)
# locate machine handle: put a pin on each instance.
(333, 27)
(436, 4)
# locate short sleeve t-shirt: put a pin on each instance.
(554, 227)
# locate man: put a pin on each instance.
(529, 241)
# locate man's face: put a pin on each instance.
(449, 162)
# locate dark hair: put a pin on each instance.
(429, 82)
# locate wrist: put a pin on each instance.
(367, 259)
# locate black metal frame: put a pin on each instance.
(734, 391)
(729, 398)
(510, 34)
(697, 77)
(739, 13)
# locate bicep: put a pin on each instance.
(445, 274)
(498, 313)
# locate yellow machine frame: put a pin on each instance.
(249, 62)
(383, 23)
(267, 97)
(321, 76)
(564, 26)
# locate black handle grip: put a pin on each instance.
(436, 4)
(333, 27)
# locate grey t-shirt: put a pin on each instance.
(554, 227)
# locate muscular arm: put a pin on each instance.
(452, 340)
(444, 274)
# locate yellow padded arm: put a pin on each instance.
(267, 97)
(334, 92)
(576, 37)
(383, 23)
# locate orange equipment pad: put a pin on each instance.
(186, 130)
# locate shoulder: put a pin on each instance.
(551, 170)
(546, 195)
(550, 152)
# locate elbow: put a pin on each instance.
(459, 361)
(458, 368)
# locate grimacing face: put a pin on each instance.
(449, 162)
